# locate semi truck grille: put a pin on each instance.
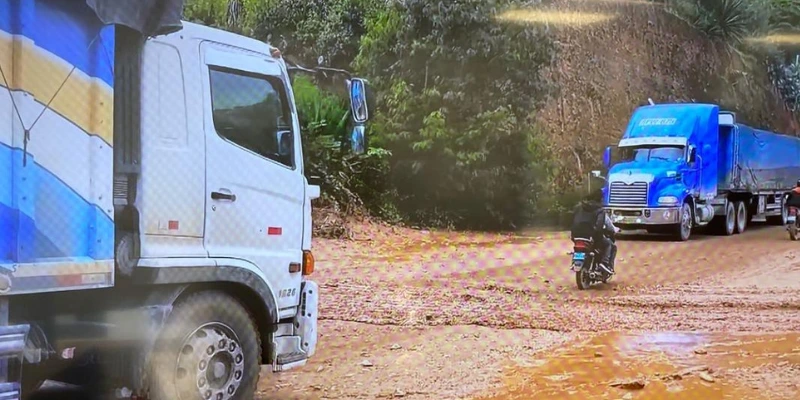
(634, 194)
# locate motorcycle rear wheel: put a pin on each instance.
(582, 279)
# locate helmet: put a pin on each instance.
(798, 183)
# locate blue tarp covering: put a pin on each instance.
(766, 161)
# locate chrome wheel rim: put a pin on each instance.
(741, 217)
(211, 356)
(686, 221)
(730, 219)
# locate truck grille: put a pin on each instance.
(634, 194)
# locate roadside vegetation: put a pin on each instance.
(490, 114)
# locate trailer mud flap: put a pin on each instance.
(12, 347)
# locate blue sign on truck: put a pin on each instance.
(682, 166)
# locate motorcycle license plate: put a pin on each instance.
(578, 256)
(792, 219)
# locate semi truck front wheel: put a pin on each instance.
(209, 349)
(684, 227)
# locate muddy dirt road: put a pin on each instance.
(434, 316)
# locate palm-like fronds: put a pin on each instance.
(727, 20)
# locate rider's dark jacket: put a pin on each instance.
(794, 198)
(589, 221)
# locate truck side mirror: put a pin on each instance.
(359, 100)
(285, 143)
(358, 139)
(607, 157)
(692, 155)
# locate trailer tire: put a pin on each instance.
(729, 220)
(741, 217)
(209, 348)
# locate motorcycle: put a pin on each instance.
(792, 224)
(586, 264)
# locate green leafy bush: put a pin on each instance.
(347, 180)
(459, 92)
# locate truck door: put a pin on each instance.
(255, 190)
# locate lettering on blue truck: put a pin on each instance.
(657, 121)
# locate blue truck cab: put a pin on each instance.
(682, 166)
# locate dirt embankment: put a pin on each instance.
(605, 70)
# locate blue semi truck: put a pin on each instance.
(684, 166)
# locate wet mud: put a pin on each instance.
(663, 365)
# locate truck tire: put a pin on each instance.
(729, 220)
(683, 231)
(208, 349)
(741, 216)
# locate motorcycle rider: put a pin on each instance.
(591, 221)
(793, 201)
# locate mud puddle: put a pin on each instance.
(669, 365)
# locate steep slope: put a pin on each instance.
(603, 71)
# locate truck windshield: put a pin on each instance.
(651, 153)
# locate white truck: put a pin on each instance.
(155, 220)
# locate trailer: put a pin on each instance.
(683, 166)
(155, 220)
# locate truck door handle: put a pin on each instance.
(223, 196)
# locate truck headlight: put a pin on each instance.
(668, 200)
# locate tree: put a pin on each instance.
(459, 94)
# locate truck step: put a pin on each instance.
(12, 346)
(12, 340)
(288, 353)
(10, 391)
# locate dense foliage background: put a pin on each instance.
(473, 128)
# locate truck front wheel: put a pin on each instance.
(684, 228)
(208, 349)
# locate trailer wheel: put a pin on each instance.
(729, 223)
(741, 217)
(209, 349)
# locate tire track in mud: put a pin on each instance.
(672, 309)
(545, 298)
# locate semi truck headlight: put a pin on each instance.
(668, 200)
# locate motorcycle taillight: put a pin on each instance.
(581, 245)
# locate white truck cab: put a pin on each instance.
(198, 171)
(222, 166)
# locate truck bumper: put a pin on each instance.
(296, 342)
(644, 216)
